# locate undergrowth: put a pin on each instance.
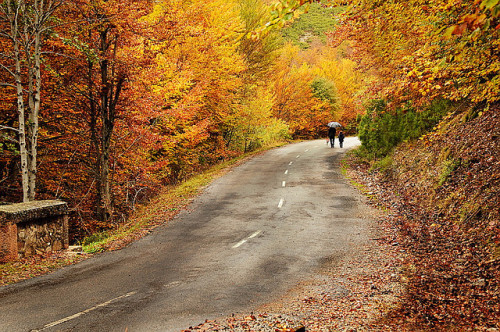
(444, 189)
(382, 129)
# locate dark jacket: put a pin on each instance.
(331, 132)
(341, 137)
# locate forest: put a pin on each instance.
(104, 103)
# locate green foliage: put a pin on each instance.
(311, 25)
(384, 164)
(96, 237)
(380, 130)
(8, 146)
(449, 166)
(324, 89)
(94, 243)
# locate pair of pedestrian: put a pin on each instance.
(331, 135)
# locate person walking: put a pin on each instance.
(341, 138)
(331, 134)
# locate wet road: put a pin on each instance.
(251, 235)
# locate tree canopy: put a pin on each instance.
(108, 101)
(104, 102)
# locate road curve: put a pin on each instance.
(250, 236)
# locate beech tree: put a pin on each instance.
(102, 40)
(25, 25)
(422, 52)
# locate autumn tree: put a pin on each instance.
(103, 37)
(295, 101)
(196, 80)
(251, 123)
(353, 86)
(139, 94)
(259, 54)
(25, 27)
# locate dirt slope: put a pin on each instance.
(445, 189)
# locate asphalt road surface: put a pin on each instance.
(251, 235)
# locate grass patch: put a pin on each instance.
(384, 164)
(449, 166)
(93, 243)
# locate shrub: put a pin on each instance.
(380, 129)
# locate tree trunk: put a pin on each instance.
(14, 26)
(106, 202)
(28, 22)
(108, 97)
(22, 126)
(34, 97)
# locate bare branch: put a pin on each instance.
(7, 84)
(6, 35)
(7, 69)
(8, 128)
(52, 27)
(6, 56)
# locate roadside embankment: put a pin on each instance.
(445, 191)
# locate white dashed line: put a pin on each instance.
(254, 234)
(245, 240)
(283, 184)
(290, 163)
(286, 172)
(307, 150)
(64, 320)
(298, 156)
(280, 204)
(239, 243)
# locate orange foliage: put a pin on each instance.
(295, 103)
(448, 50)
(140, 94)
(421, 52)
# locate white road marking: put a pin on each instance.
(290, 163)
(286, 172)
(298, 156)
(307, 150)
(64, 320)
(280, 204)
(239, 243)
(245, 240)
(172, 284)
(254, 234)
(283, 184)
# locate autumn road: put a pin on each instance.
(251, 235)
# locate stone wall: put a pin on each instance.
(32, 228)
(8, 242)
